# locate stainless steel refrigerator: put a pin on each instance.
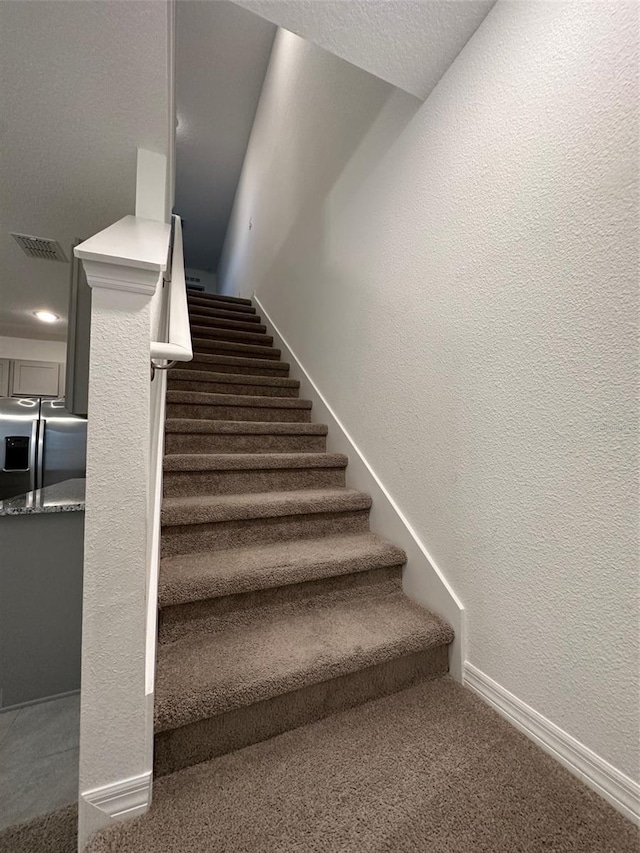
(41, 443)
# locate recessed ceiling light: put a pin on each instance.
(46, 316)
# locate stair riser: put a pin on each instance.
(206, 347)
(198, 301)
(219, 323)
(233, 443)
(228, 611)
(191, 744)
(187, 538)
(185, 484)
(239, 413)
(225, 364)
(227, 388)
(256, 338)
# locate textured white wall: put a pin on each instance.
(460, 280)
(208, 280)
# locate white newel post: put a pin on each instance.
(124, 266)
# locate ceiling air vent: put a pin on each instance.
(39, 247)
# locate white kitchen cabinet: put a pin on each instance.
(4, 377)
(35, 377)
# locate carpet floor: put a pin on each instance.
(56, 832)
(429, 770)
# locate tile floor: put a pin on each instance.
(38, 758)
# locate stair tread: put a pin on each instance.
(236, 346)
(214, 322)
(203, 426)
(223, 314)
(202, 509)
(176, 374)
(232, 307)
(215, 334)
(207, 398)
(251, 461)
(240, 300)
(203, 675)
(201, 575)
(239, 361)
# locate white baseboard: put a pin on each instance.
(422, 579)
(615, 787)
(123, 799)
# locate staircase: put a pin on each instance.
(278, 606)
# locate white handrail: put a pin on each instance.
(178, 347)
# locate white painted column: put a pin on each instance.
(124, 266)
(151, 186)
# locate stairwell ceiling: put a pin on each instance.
(222, 53)
(83, 85)
(408, 43)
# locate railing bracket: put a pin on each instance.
(166, 366)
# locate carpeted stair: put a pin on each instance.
(278, 606)
(298, 700)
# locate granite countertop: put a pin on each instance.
(67, 496)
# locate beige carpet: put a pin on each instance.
(428, 770)
(56, 832)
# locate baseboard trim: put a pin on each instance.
(422, 579)
(126, 798)
(615, 787)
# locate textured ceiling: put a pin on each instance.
(222, 53)
(409, 43)
(83, 85)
